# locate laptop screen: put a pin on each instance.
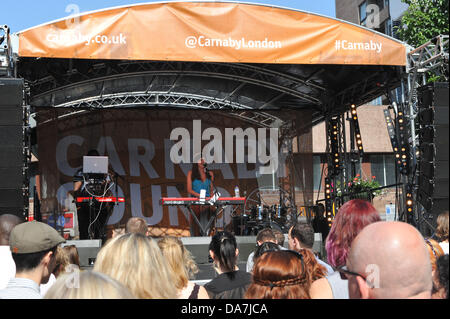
(95, 165)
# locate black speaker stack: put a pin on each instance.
(433, 118)
(13, 158)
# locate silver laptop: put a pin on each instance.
(95, 165)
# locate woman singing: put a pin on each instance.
(199, 179)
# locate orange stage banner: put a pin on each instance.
(211, 32)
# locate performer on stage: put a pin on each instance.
(198, 179)
(92, 216)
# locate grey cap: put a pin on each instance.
(33, 237)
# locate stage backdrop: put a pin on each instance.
(152, 151)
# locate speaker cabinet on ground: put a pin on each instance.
(433, 104)
(12, 158)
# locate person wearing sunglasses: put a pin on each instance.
(388, 260)
(279, 274)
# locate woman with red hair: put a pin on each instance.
(279, 275)
(351, 218)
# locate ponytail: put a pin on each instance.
(224, 246)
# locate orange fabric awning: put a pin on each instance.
(211, 32)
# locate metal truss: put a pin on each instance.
(242, 73)
(6, 66)
(429, 56)
(175, 100)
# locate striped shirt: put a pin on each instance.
(21, 288)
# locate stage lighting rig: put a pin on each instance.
(334, 136)
(403, 149)
(357, 129)
(409, 204)
(328, 201)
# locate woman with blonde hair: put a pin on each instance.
(87, 285)
(183, 268)
(137, 262)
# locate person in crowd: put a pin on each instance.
(265, 247)
(72, 255)
(7, 265)
(314, 269)
(183, 268)
(198, 179)
(320, 223)
(440, 278)
(264, 235)
(434, 251)
(279, 236)
(388, 260)
(137, 262)
(301, 236)
(279, 275)
(137, 225)
(61, 265)
(33, 246)
(442, 231)
(351, 218)
(88, 285)
(62, 261)
(231, 283)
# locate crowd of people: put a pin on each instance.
(366, 258)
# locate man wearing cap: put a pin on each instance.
(33, 246)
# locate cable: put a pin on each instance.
(101, 204)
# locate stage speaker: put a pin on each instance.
(11, 92)
(87, 251)
(12, 158)
(433, 105)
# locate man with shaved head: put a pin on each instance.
(7, 265)
(389, 260)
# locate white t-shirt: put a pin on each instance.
(444, 247)
(7, 266)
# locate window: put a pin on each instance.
(377, 101)
(388, 27)
(383, 168)
(363, 13)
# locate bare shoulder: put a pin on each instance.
(202, 293)
(320, 289)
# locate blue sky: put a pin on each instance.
(22, 14)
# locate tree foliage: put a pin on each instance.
(424, 20)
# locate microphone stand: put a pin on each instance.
(215, 191)
(214, 197)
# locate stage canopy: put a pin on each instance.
(208, 55)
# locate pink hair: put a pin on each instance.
(351, 218)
